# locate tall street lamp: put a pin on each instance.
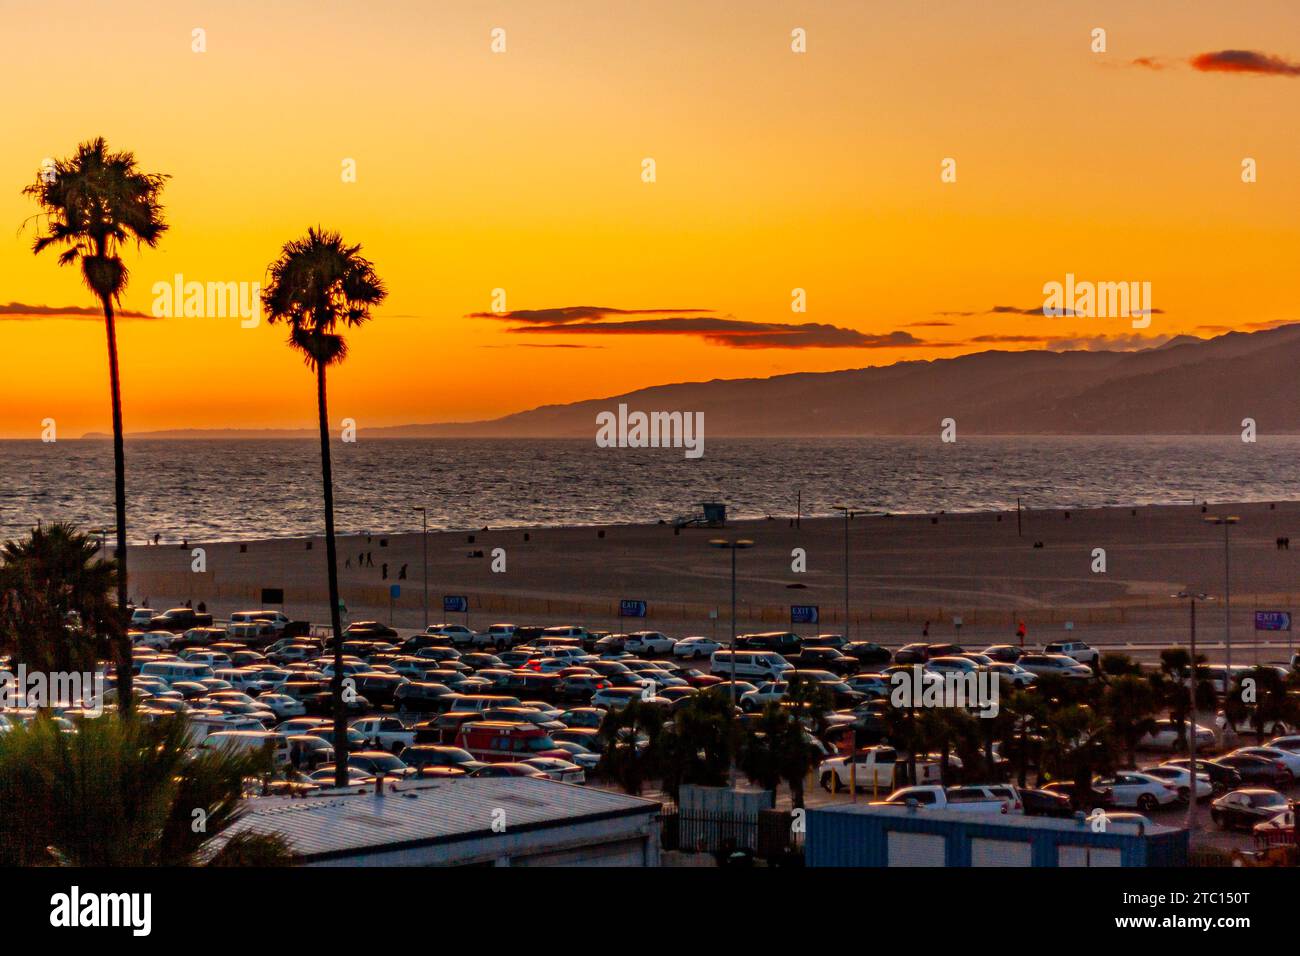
(733, 546)
(424, 538)
(848, 514)
(1191, 597)
(1227, 521)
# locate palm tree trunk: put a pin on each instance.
(332, 564)
(121, 643)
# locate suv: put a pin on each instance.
(500, 636)
(783, 642)
(1080, 651)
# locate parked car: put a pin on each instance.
(1288, 758)
(1077, 650)
(1222, 777)
(870, 685)
(1095, 797)
(385, 733)
(867, 652)
(877, 768)
(508, 770)
(558, 768)
(967, 799)
(1044, 803)
(500, 636)
(179, 619)
(1005, 653)
(1259, 770)
(1143, 791)
(1242, 809)
(1012, 675)
(1058, 664)
(825, 658)
(648, 643)
(1167, 734)
(424, 756)
(695, 647)
(911, 654)
(1181, 778)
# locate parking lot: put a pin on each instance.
(519, 700)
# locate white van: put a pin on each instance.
(172, 671)
(249, 740)
(766, 665)
(571, 631)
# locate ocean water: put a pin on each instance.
(232, 490)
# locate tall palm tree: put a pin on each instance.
(318, 284)
(1130, 703)
(92, 204)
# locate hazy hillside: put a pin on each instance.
(1196, 387)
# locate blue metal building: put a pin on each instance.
(865, 835)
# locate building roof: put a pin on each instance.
(425, 813)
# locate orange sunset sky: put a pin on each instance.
(522, 171)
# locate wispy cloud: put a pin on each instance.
(24, 312)
(1244, 61)
(1036, 311)
(1225, 61)
(697, 323)
(575, 313)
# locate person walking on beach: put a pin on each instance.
(401, 575)
(1020, 633)
(370, 559)
(385, 572)
(925, 631)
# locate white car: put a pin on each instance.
(1289, 742)
(695, 647)
(459, 633)
(1132, 789)
(648, 642)
(1012, 674)
(1181, 778)
(277, 619)
(386, 733)
(283, 706)
(1077, 650)
(1166, 734)
(141, 617)
(1059, 664)
(158, 640)
(766, 693)
(557, 769)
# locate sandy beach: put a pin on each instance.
(903, 571)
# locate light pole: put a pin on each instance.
(1227, 521)
(733, 546)
(1191, 597)
(424, 538)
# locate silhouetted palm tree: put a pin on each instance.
(123, 793)
(56, 605)
(318, 284)
(92, 204)
(776, 748)
(1130, 703)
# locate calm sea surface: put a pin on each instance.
(228, 490)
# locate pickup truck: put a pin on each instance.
(880, 769)
(179, 619)
(385, 733)
(967, 799)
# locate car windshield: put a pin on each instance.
(541, 743)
